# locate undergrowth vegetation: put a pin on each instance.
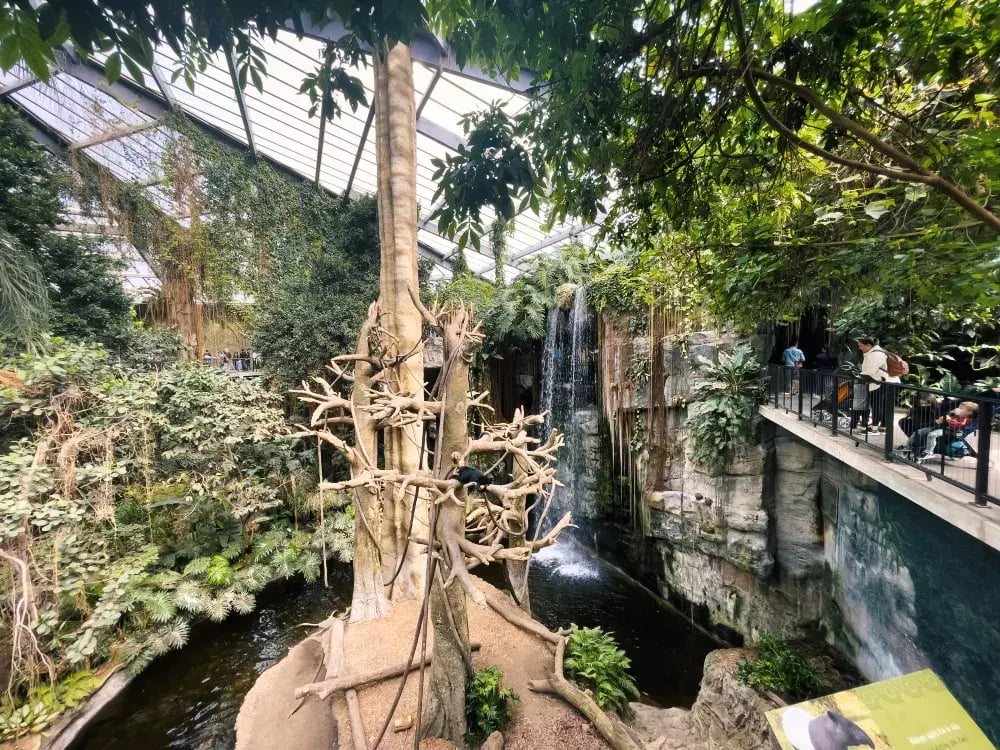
(133, 503)
(594, 661)
(779, 668)
(488, 705)
(722, 414)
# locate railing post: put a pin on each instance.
(834, 404)
(983, 452)
(798, 372)
(889, 418)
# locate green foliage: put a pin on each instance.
(518, 315)
(86, 296)
(44, 704)
(488, 705)
(724, 409)
(595, 662)
(47, 281)
(778, 667)
(151, 347)
(146, 500)
(494, 170)
(194, 31)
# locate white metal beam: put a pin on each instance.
(424, 48)
(113, 135)
(241, 101)
(17, 84)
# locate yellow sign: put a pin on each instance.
(912, 712)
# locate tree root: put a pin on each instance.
(357, 725)
(525, 623)
(612, 729)
(325, 689)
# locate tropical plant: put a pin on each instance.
(519, 312)
(723, 410)
(144, 500)
(488, 705)
(780, 668)
(320, 292)
(595, 662)
(493, 170)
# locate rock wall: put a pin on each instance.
(786, 540)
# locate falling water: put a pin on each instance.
(569, 395)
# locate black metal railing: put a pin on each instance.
(914, 429)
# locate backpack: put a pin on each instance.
(896, 366)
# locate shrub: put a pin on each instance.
(780, 668)
(594, 661)
(488, 705)
(722, 415)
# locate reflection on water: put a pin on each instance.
(569, 585)
(189, 700)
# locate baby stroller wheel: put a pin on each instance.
(844, 423)
(823, 416)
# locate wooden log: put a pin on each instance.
(325, 689)
(357, 725)
(611, 729)
(335, 660)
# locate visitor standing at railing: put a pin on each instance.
(875, 372)
(793, 357)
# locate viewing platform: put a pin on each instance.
(965, 491)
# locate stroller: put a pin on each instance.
(836, 404)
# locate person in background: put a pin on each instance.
(206, 358)
(875, 372)
(826, 365)
(793, 357)
(227, 359)
(936, 437)
(922, 414)
(826, 362)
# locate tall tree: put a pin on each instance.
(669, 102)
(396, 153)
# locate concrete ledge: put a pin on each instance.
(944, 500)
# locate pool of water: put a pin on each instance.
(570, 585)
(188, 700)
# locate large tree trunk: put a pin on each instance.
(396, 151)
(517, 570)
(369, 598)
(450, 667)
(182, 309)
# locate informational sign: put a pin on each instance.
(912, 712)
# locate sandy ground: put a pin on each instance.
(540, 721)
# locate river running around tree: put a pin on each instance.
(189, 700)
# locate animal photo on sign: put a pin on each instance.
(838, 722)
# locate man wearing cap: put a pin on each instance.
(875, 371)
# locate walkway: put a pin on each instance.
(865, 453)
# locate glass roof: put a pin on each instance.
(119, 127)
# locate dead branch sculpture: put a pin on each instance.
(465, 529)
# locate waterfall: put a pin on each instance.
(569, 395)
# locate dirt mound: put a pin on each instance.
(540, 721)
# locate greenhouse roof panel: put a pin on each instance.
(119, 126)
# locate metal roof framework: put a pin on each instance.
(120, 126)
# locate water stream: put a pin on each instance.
(188, 700)
(568, 394)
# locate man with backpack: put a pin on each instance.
(877, 367)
